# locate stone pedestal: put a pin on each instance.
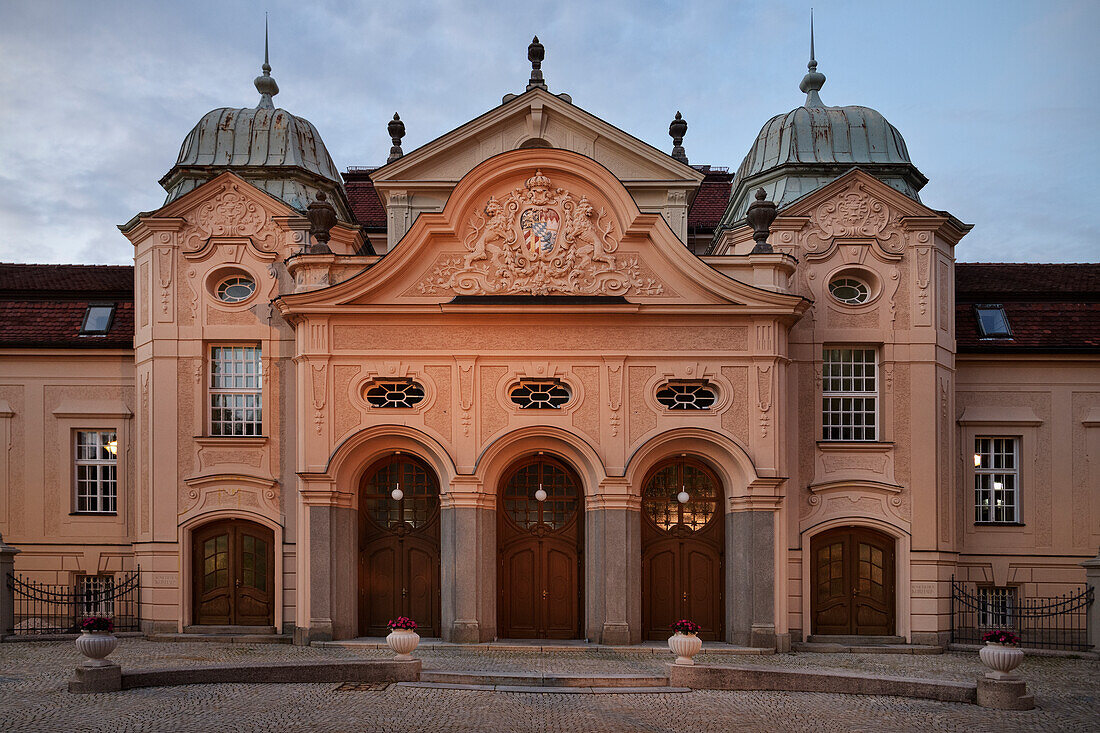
(613, 572)
(468, 571)
(1004, 694)
(7, 596)
(1092, 578)
(107, 678)
(750, 578)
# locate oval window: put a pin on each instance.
(686, 396)
(393, 393)
(539, 394)
(235, 289)
(849, 290)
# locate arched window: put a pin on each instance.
(562, 495)
(415, 480)
(660, 496)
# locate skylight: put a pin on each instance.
(992, 322)
(97, 319)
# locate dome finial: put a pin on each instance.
(676, 130)
(265, 83)
(814, 80)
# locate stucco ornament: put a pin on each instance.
(540, 240)
(231, 213)
(855, 213)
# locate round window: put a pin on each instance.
(235, 289)
(849, 290)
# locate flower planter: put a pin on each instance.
(96, 645)
(685, 646)
(1001, 659)
(403, 642)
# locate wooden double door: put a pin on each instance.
(399, 546)
(853, 582)
(233, 574)
(682, 550)
(539, 541)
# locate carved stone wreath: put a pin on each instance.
(540, 240)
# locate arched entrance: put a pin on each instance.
(233, 574)
(682, 549)
(852, 582)
(539, 543)
(399, 546)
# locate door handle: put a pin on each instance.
(545, 594)
(237, 583)
(404, 592)
(685, 596)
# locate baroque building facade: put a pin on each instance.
(538, 379)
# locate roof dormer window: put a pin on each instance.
(992, 322)
(97, 319)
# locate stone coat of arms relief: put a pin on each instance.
(540, 240)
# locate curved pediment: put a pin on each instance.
(542, 223)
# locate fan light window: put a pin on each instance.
(544, 394)
(235, 289)
(394, 393)
(687, 396)
(849, 290)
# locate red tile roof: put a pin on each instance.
(68, 278)
(43, 306)
(366, 206)
(1050, 308)
(711, 199)
(56, 325)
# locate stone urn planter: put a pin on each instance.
(403, 638)
(96, 645)
(685, 646)
(1001, 659)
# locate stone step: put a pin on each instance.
(854, 640)
(223, 638)
(229, 630)
(823, 648)
(544, 689)
(521, 679)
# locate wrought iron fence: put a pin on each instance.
(1057, 622)
(46, 608)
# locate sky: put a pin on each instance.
(998, 102)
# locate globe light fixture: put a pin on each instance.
(397, 493)
(682, 497)
(540, 495)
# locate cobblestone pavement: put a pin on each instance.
(33, 677)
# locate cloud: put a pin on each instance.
(995, 100)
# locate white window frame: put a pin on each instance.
(242, 387)
(835, 432)
(103, 496)
(986, 476)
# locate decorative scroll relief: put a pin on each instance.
(540, 240)
(855, 213)
(229, 214)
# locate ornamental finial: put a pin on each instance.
(676, 130)
(265, 83)
(760, 216)
(396, 129)
(536, 52)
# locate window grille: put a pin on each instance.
(996, 480)
(539, 394)
(96, 468)
(849, 400)
(394, 393)
(849, 291)
(687, 396)
(95, 595)
(235, 390)
(996, 608)
(236, 289)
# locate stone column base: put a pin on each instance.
(96, 679)
(615, 634)
(465, 632)
(1004, 694)
(762, 636)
